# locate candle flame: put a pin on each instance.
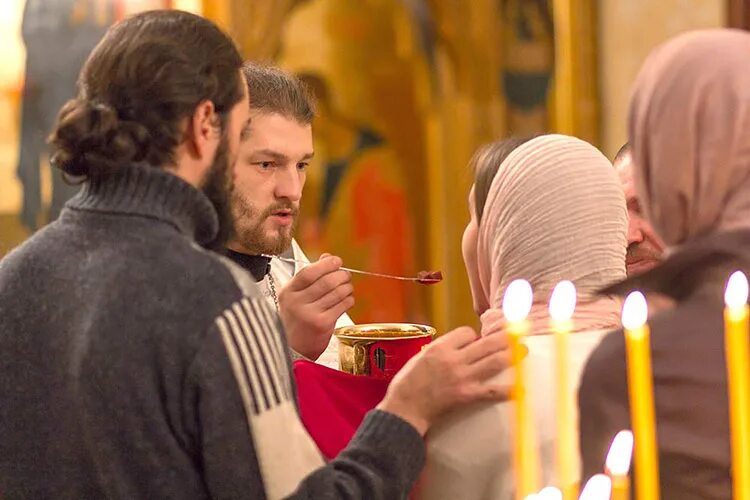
(735, 295)
(620, 453)
(549, 493)
(517, 300)
(563, 301)
(635, 311)
(598, 487)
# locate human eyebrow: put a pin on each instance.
(280, 157)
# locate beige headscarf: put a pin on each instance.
(689, 127)
(555, 211)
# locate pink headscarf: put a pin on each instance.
(555, 211)
(689, 127)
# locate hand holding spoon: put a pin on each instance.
(423, 277)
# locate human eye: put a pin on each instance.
(264, 165)
(302, 165)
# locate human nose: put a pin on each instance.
(635, 232)
(288, 184)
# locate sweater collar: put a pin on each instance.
(155, 193)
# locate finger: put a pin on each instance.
(456, 339)
(493, 392)
(313, 272)
(324, 255)
(491, 329)
(325, 285)
(483, 347)
(490, 366)
(337, 310)
(325, 321)
(335, 296)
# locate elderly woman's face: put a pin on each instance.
(469, 250)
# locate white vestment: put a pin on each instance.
(282, 272)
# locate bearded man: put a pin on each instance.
(274, 155)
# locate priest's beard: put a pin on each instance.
(218, 185)
(249, 231)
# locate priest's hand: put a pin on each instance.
(456, 369)
(311, 302)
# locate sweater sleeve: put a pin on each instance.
(382, 461)
(240, 399)
(216, 418)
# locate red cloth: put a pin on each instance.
(333, 403)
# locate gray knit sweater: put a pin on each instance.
(135, 364)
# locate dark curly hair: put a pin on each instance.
(141, 81)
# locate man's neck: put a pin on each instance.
(186, 167)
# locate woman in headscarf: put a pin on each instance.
(545, 210)
(689, 127)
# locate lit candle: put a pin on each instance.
(618, 464)
(641, 391)
(561, 307)
(549, 493)
(598, 487)
(516, 306)
(738, 381)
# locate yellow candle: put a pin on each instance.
(598, 487)
(641, 390)
(516, 306)
(738, 381)
(561, 307)
(618, 464)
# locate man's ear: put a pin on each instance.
(201, 130)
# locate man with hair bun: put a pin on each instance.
(135, 362)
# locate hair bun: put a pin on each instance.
(91, 140)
